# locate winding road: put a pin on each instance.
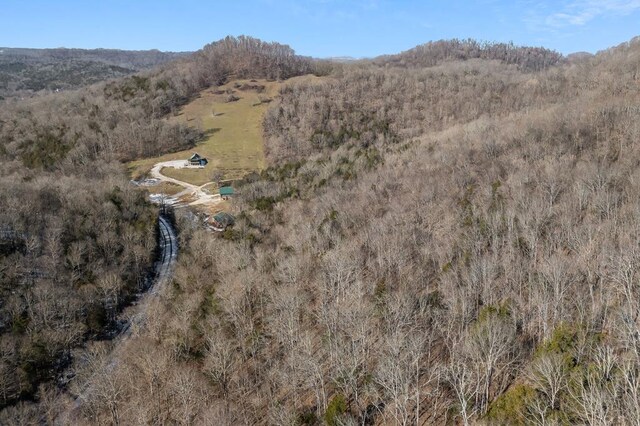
(163, 270)
(168, 244)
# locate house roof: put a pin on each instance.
(226, 190)
(224, 219)
(195, 157)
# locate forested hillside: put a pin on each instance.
(24, 72)
(450, 244)
(437, 52)
(440, 238)
(76, 238)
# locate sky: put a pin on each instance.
(318, 28)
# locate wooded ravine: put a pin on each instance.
(449, 235)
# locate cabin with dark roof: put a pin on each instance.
(197, 160)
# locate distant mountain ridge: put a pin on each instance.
(138, 59)
(24, 71)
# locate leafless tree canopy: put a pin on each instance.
(437, 52)
(447, 236)
(76, 239)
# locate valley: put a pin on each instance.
(447, 235)
(24, 72)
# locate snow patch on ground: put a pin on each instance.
(192, 195)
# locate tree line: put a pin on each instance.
(436, 52)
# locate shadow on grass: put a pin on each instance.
(204, 136)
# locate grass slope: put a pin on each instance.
(234, 146)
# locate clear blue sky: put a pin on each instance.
(320, 28)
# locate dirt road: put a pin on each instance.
(196, 194)
(168, 244)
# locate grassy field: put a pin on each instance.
(234, 144)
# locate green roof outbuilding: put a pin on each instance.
(226, 191)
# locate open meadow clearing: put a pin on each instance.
(231, 116)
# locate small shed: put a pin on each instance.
(197, 160)
(221, 221)
(226, 192)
